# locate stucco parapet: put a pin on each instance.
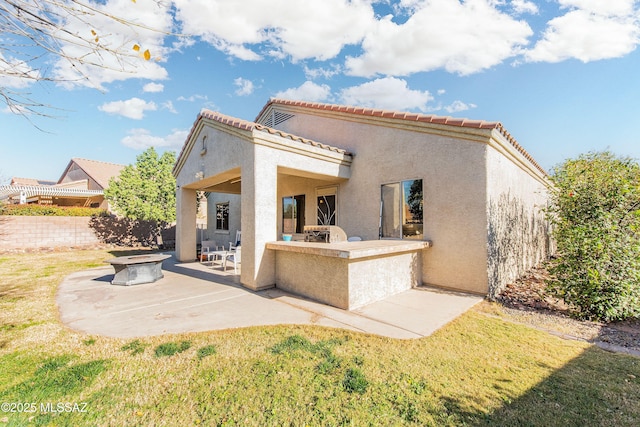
(351, 250)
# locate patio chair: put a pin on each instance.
(234, 257)
(238, 241)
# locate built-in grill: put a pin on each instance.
(324, 233)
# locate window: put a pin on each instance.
(327, 206)
(402, 210)
(222, 216)
(293, 214)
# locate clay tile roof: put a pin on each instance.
(251, 126)
(445, 120)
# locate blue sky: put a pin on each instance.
(561, 75)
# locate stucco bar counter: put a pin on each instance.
(348, 275)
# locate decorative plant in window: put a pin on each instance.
(326, 212)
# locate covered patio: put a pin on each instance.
(231, 156)
(278, 183)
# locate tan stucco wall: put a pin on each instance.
(454, 181)
(518, 233)
(346, 283)
(474, 182)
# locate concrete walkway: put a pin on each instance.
(194, 297)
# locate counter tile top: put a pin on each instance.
(351, 250)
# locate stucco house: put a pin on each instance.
(439, 201)
(81, 184)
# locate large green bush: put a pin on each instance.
(595, 212)
(49, 210)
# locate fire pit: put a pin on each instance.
(137, 269)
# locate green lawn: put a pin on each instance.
(479, 370)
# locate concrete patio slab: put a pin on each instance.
(194, 297)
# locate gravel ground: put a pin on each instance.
(525, 301)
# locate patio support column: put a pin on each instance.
(259, 219)
(186, 224)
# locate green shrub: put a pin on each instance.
(595, 212)
(47, 210)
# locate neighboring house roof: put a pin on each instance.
(30, 181)
(100, 172)
(405, 116)
(251, 126)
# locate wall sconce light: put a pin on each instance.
(200, 175)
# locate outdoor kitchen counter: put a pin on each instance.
(351, 250)
(348, 275)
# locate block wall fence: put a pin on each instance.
(24, 232)
(33, 232)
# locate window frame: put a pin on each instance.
(219, 226)
(324, 192)
(297, 214)
(398, 210)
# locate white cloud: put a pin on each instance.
(606, 8)
(133, 108)
(141, 139)
(299, 29)
(524, 6)
(387, 93)
(116, 60)
(308, 91)
(153, 87)
(325, 73)
(193, 98)
(16, 74)
(168, 105)
(458, 106)
(16, 109)
(245, 87)
(461, 37)
(591, 30)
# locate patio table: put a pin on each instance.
(214, 254)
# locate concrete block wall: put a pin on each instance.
(24, 232)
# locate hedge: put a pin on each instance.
(44, 210)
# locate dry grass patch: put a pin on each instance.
(479, 370)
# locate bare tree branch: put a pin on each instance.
(37, 37)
